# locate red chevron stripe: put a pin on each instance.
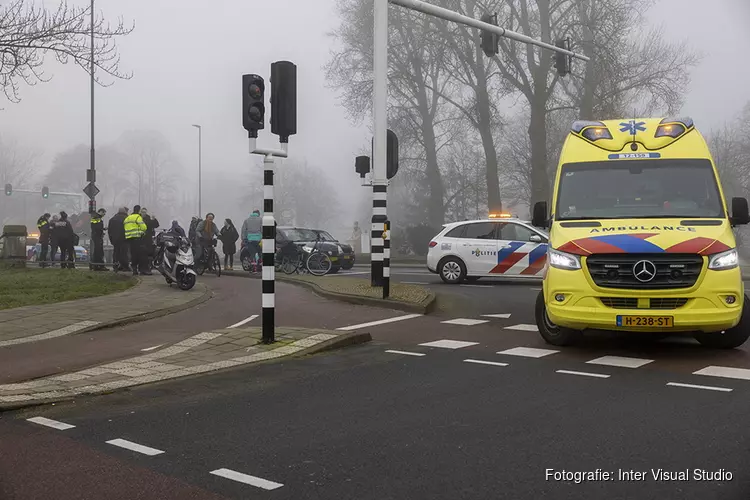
(508, 262)
(535, 267)
(695, 245)
(715, 247)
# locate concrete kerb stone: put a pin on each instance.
(318, 341)
(425, 307)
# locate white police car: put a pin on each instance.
(500, 246)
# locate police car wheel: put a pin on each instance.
(729, 339)
(452, 270)
(550, 332)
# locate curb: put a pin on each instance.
(366, 301)
(340, 342)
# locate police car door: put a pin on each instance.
(521, 251)
(478, 248)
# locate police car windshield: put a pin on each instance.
(631, 189)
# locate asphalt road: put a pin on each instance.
(369, 424)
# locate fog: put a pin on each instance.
(187, 59)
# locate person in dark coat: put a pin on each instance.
(116, 231)
(64, 232)
(44, 236)
(152, 223)
(229, 236)
(97, 241)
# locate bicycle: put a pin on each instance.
(317, 262)
(209, 260)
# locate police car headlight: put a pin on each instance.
(724, 260)
(562, 260)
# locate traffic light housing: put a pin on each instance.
(253, 109)
(8, 190)
(490, 41)
(391, 155)
(45, 192)
(562, 61)
(362, 165)
(283, 100)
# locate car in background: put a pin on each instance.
(32, 252)
(346, 252)
(305, 239)
(498, 247)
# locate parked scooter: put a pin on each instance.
(174, 260)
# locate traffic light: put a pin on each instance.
(362, 165)
(490, 40)
(283, 100)
(562, 61)
(8, 190)
(253, 110)
(391, 166)
(45, 192)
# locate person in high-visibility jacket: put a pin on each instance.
(135, 229)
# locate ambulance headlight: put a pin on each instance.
(724, 260)
(562, 260)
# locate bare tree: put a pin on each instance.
(16, 162)
(28, 32)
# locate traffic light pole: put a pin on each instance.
(380, 126)
(268, 238)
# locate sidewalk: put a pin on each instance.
(150, 298)
(205, 352)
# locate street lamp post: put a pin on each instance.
(200, 145)
(91, 177)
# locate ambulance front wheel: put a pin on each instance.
(729, 339)
(550, 332)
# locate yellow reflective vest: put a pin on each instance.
(134, 226)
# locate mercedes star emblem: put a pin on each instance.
(644, 271)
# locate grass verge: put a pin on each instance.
(27, 287)
(413, 294)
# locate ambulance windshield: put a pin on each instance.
(632, 189)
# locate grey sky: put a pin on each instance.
(187, 60)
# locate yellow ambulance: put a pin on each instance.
(641, 237)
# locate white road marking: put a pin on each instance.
(479, 286)
(449, 344)
(465, 321)
(247, 479)
(585, 374)
(523, 327)
(60, 426)
(620, 361)
(499, 316)
(481, 362)
(724, 371)
(347, 273)
(129, 445)
(528, 352)
(152, 348)
(407, 353)
(246, 320)
(414, 282)
(706, 387)
(380, 322)
(536, 289)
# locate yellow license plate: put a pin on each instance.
(646, 321)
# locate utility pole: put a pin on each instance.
(91, 189)
(200, 159)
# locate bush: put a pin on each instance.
(419, 238)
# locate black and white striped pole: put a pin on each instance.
(387, 260)
(283, 124)
(379, 207)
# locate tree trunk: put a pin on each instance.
(494, 203)
(435, 209)
(538, 137)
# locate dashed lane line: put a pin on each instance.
(621, 362)
(523, 327)
(60, 426)
(725, 372)
(152, 348)
(482, 362)
(528, 352)
(704, 387)
(258, 482)
(379, 322)
(479, 286)
(583, 374)
(449, 344)
(406, 353)
(138, 448)
(465, 321)
(415, 283)
(246, 320)
(498, 316)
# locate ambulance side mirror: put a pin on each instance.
(740, 212)
(539, 217)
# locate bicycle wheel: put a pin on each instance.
(217, 264)
(318, 264)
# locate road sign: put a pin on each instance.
(91, 190)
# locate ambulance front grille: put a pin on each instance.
(632, 302)
(672, 270)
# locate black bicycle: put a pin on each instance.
(209, 260)
(309, 260)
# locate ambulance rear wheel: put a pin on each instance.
(550, 332)
(729, 339)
